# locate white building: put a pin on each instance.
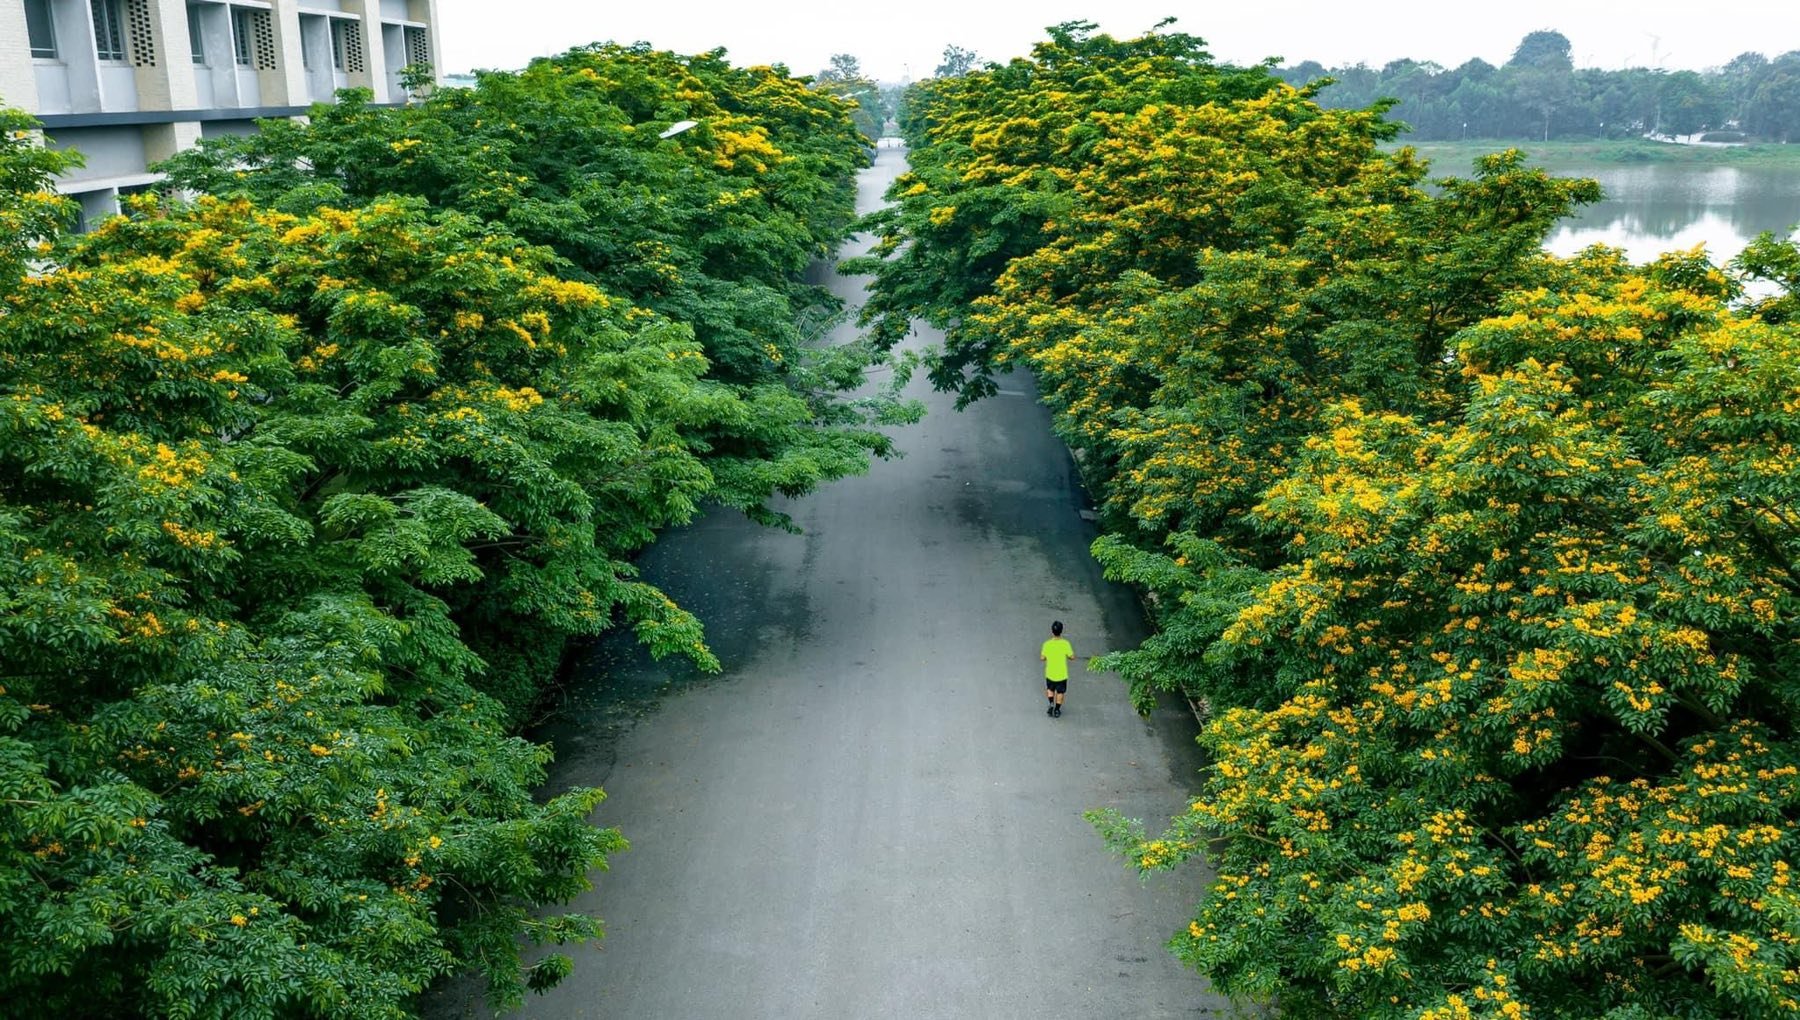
(130, 82)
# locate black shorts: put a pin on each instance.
(1056, 686)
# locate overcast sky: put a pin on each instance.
(894, 39)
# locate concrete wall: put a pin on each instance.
(164, 140)
(227, 128)
(118, 87)
(372, 76)
(75, 56)
(110, 152)
(18, 71)
(428, 9)
(315, 43)
(216, 82)
(168, 84)
(97, 205)
(52, 81)
(286, 85)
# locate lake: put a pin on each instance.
(1653, 208)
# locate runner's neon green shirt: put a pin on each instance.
(1057, 652)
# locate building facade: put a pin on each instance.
(131, 82)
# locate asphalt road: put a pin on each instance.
(869, 814)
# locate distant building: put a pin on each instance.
(130, 82)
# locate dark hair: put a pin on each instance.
(1056, 627)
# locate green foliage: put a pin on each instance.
(1772, 260)
(957, 61)
(1772, 110)
(305, 484)
(417, 78)
(253, 502)
(35, 213)
(1485, 561)
(1527, 690)
(844, 79)
(712, 228)
(993, 152)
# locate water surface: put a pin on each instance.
(1651, 209)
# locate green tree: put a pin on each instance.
(1690, 103)
(1539, 94)
(992, 153)
(956, 61)
(1482, 559)
(1543, 83)
(712, 229)
(306, 483)
(1739, 81)
(1772, 260)
(1545, 49)
(32, 215)
(1774, 109)
(844, 78)
(842, 67)
(417, 80)
(267, 478)
(1520, 742)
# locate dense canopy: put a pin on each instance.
(306, 482)
(1485, 562)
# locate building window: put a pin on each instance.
(109, 29)
(196, 34)
(418, 47)
(341, 43)
(241, 30)
(40, 27)
(346, 45)
(253, 39)
(142, 32)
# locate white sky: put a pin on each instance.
(894, 38)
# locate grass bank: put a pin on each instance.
(1455, 157)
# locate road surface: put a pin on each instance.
(869, 814)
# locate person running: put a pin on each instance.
(1057, 653)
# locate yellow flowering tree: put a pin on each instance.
(993, 160)
(306, 484)
(712, 228)
(293, 510)
(1484, 561)
(1524, 745)
(1193, 262)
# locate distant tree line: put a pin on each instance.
(1539, 93)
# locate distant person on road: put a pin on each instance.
(1057, 653)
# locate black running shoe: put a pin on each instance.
(1051, 709)
(1056, 710)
